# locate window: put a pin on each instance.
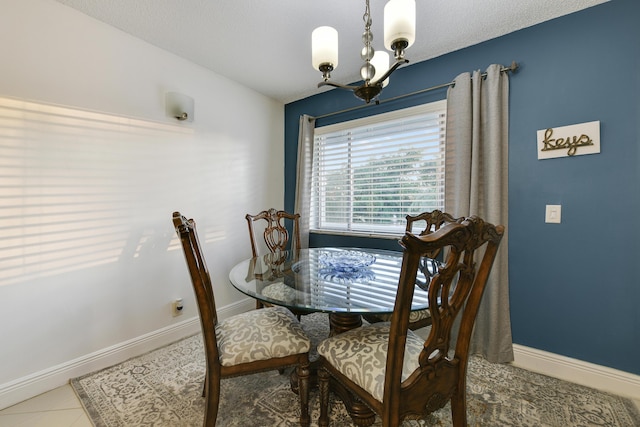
(368, 174)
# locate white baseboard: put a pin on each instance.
(37, 383)
(577, 371)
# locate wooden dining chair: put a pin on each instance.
(275, 233)
(390, 368)
(247, 343)
(428, 222)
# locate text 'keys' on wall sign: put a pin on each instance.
(569, 141)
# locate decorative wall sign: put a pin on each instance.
(568, 141)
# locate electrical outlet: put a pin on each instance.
(177, 307)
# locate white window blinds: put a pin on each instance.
(368, 174)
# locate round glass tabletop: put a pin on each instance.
(332, 280)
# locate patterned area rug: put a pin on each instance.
(163, 388)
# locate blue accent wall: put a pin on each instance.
(574, 286)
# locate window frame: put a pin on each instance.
(374, 230)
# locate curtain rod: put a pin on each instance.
(512, 68)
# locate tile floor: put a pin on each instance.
(56, 408)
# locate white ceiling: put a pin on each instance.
(266, 45)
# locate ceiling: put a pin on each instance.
(266, 45)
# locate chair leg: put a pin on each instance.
(459, 407)
(303, 391)
(212, 401)
(204, 387)
(323, 386)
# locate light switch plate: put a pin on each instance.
(553, 214)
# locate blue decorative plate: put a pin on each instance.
(346, 261)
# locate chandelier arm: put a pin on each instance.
(391, 70)
(338, 85)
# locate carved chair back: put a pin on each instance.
(432, 222)
(275, 233)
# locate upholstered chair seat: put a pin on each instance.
(260, 335)
(361, 354)
(280, 292)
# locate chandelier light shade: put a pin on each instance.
(380, 62)
(399, 35)
(324, 47)
(399, 24)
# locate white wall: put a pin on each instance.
(91, 172)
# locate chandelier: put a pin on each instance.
(399, 34)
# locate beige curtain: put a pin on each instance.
(303, 176)
(476, 183)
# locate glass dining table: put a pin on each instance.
(346, 283)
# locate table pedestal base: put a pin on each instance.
(342, 322)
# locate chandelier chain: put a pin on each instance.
(367, 16)
(367, 71)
